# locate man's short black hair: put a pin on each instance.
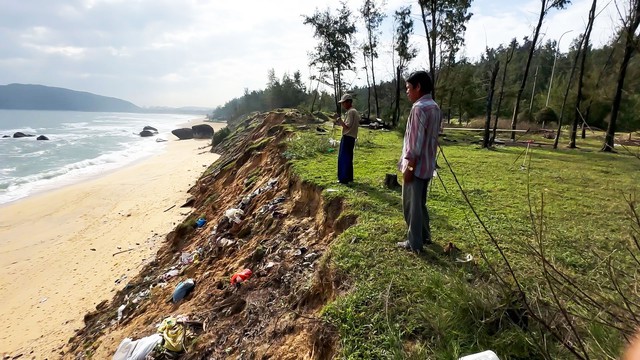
(422, 78)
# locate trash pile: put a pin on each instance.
(168, 342)
(172, 332)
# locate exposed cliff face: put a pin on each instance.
(283, 238)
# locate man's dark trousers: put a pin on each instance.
(414, 206)
(345, 159)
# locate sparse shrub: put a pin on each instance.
(305, 145)
(546, 116)
(222, 134)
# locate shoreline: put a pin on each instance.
(57, 247)
(168, 136)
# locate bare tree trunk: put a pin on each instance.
(487, 125)
(600, 76)
(631, 25)
(615, 108)
(585, 50)
(533, 90)
(366, 71)
(396, 112)
(315, 96)
(504, 76)
(460, 106)
(335, 73)
(373, 77)
(450, 106)
(566, 94)
(516, 108)
(431, 38)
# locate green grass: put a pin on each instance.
(402, 305)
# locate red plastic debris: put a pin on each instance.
(241, 276)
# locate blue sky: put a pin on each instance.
(203, 53)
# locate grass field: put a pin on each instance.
(401, 305)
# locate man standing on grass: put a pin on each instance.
(418, 159)
(348, 141)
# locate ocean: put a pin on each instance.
(81, 145)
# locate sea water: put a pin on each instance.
(81, 145)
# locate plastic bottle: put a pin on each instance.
(485, 355)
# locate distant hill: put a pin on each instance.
(39, 97)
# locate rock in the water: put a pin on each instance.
(150, 128)
(146, 133)
(21, 135)
(183, 134)
(6, 136)
(202, 131)
(42, 137)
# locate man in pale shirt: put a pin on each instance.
(348, 141)
(418, 159)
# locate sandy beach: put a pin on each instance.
(57, 248)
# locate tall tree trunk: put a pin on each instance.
(443, 78)
(487, 125)
(615, 108)
(600, 76)
(373, 76)
(315, 96)
(504, 77)
(396, 112)
(533, 90)
(631, 26)
(566, 93)
(516, 108)
(585, 50)
(450, 106)
(364, 55)
(336, 89)
(431, 38)
(460, 106)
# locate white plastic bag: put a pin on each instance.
(138, 349)
(234, 215)
(485, 355)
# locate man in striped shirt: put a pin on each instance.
(418, 159)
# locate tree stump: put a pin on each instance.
(391, 181)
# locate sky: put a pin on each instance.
(206, 52)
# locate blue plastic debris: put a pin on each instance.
(183, 289)
(200, 222)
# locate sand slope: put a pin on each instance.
(56, 248)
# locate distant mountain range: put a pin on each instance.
(39, 97)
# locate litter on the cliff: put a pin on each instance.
(334, 142)
(141, 296)
(188, 258)
(183, 289)
(169, 274)
(241, 276)
(224, 242)
(466, 259)
(120, 311)
(137, 349)
(234, 215)
(201, 222)
(173, 334)
(271, 183)
(485, 355)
